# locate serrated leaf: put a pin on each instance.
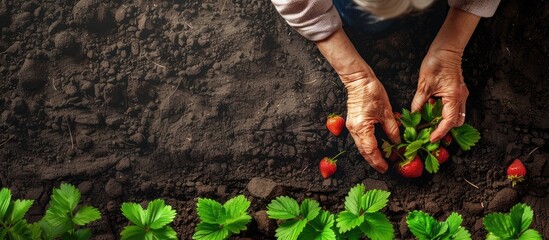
(85, 215)
(5, 199)
(320, 228)
(310, 209)
(521, 216)
(134, 212)
(427, 112)
(530, 234)
(210, 211)
(377, 227)
(437, 109)
(19, 231)
(158, 214)
(431, 163)
(410, 134)
(500, 225)
(410, 119)
(235, 225)
(65, 197)
(461, 234)
(353, 200)
(236, 207)
(165, 233)
(466, 136)
(424, 135)
(59, 221)
(133, 233)
(283, 208)
(36, 231)
(347, 221)
(17, 210)
(432, 146)
(353, 234)
(454, 222)
(411, 150)
(375, 200)
(291, 229)
(421, 224)
(387, 148)
(209, 231)
(491, 236)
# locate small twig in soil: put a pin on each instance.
(302, 171)
(482, 204)
(2, 144)
(70, 133)
(158, 65)
(532, 152)
(176, 87)
(470, 183)
(53, 84)
(223, 8)
(127, 143)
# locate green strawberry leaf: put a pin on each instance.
(500, 225)
(410, 119)
(521, 216)
(466, 136)
(291, 229)
(65, 197)
(461, 234)
(235, 225)
(236, 207)
(85, 215)
(158, 214)
(133, 233)
(20, 230)
(432, 146)
(437, 109)
(387, 148)
(410, 134)
(431, 163)
(424, 135)
(211, 231)
(348, 220)
(411, 150)
(530, 234)
(353, 200)
(134, 212)
(165, 233)
(283, 208)
(320, 228)
(210, 211)
(310, 209)
(421, 224)
(377, 227)
(454, 222)
(427, 112)
(17, 210)
(82, 234)
(374, 200)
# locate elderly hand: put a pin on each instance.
(440, 76)
(368, 104)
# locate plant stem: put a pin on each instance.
(342, 152)
(425, 125)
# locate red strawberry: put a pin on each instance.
(441, 154)
(447, 139)
(335, 124)
(516, 172)
(397, 116)
(412, 169)
(395, 153)
(328, 166)
(432, 101)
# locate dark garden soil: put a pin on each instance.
(137, 100)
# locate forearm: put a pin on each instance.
(344, 58)
(456, 31)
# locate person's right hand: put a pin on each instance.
(367, 105)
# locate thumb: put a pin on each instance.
(419, 100)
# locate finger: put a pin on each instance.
(461, 114)
(419, 100)
(366, 143)
(450, 118)
(390, 126)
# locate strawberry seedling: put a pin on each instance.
(512, 225)
(151, 223)
(219, 222)
(335, 124)
(516, 172)
(418, 127)
(425, 227)
(12, 222)
(305, 221)
(64, 217)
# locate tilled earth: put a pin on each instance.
(137, 100)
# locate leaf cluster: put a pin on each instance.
(151, 223)
(418, 127)
(12, 222)
(219, 222)
(512, 225)
(425, 227)
(307, 221)
(65, 218)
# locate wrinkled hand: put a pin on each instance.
(368, 104)
(440, 76)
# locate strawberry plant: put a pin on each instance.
(64, 217)
(219, 222)
(12, 223)
(418, 127)
(151, 223)
(305, 221)
(362, 216)
(512, 225)
(425, 227)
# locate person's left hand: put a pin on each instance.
(440, 76)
